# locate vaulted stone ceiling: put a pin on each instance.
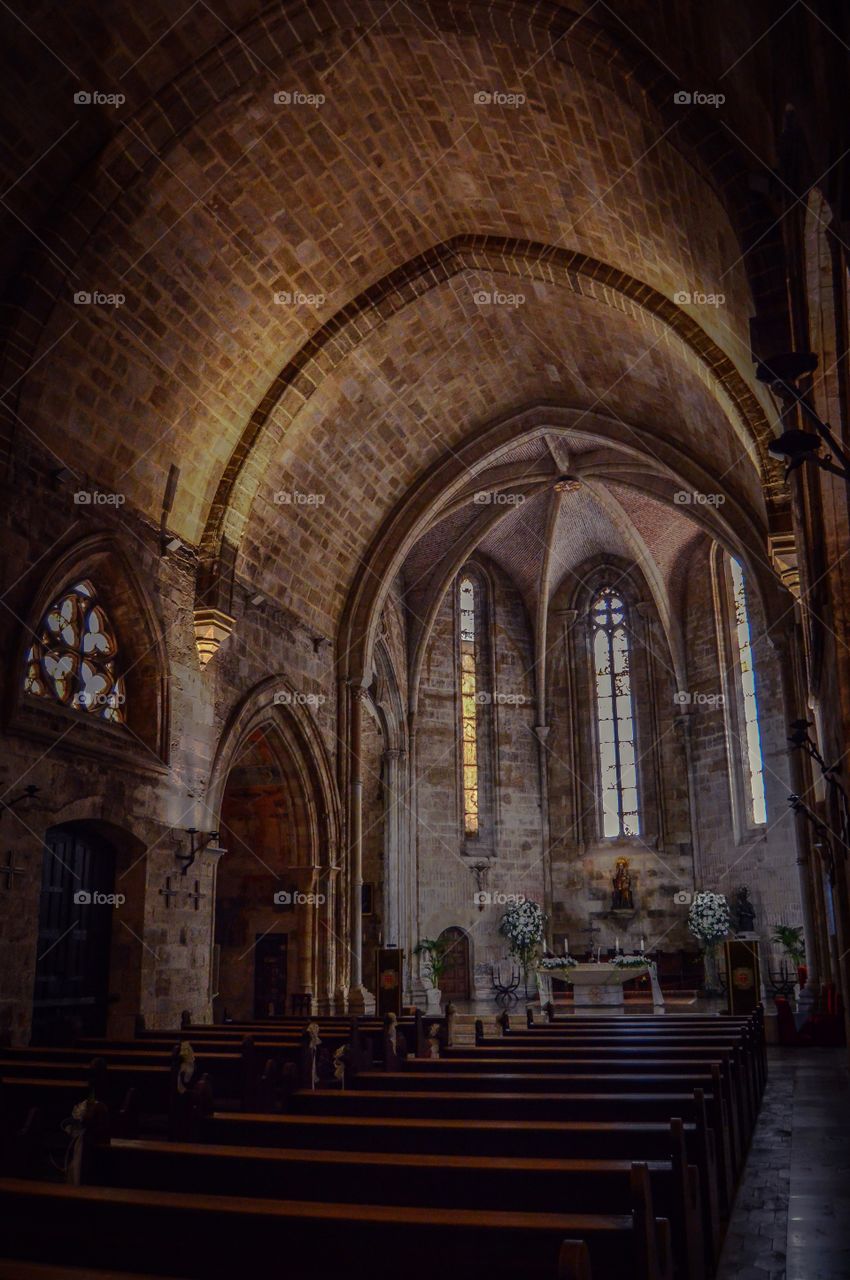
(302, 280)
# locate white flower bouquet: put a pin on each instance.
(523, 925)
(630, 962)
(709, 918)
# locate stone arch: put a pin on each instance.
(523, 260)
(142, 660)
(274, 721)
(736, 524)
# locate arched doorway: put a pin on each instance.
(71, 993)
(454, 982)
(266, 897)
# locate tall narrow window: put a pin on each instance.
(73, 658)
(469, 705)
(751, 737)
(614, 716)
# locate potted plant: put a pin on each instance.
(523, 925)
(434, 957)
(790, 938)
(709, 920)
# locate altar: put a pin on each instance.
(600, 985)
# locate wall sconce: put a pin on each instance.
(195, 847)
(797, 446)
(27, 794)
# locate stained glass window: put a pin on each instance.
(751, 744)
(469, 704)
(614, 716)
(73, 659)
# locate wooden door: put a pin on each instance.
(454, 983)
(270, 976)
(74, 933)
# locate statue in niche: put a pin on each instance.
(743, 911)
(621, 898)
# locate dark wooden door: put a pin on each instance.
(270, 976)
(454, 983)
(74, 933)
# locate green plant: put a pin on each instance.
(435, 958)
(790, 938)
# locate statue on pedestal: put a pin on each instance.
(621, 899)
(743, 911)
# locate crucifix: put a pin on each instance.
(168, 893)
(10, 871)
(197, 895)
(592, 929)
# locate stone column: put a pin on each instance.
(541, 733)
(392, 848)
(788, 656)
(360, 1001)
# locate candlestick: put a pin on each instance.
(641, 945)
(616, 946)
(566, 945)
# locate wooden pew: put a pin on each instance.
(722, 1068)
(14, 1269)
(527, 1185)
(690, 1105)
(503, 1050)
(211, 1237)
(683, 1143)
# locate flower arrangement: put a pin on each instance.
(709, 918)
(631, 962)
(557, 962)
(523, 925)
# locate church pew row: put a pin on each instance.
(689, 1105)
(210, 1237)
(14, 1269)
(683, 1144)
(470, 1182)
(737, 1101)
(742, 1062)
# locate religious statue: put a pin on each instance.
(621, 899)
(743, 911)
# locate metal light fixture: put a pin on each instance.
(186, 859)
(797, 446)
(27, 794)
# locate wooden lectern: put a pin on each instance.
(743, 975)
(389, 980)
